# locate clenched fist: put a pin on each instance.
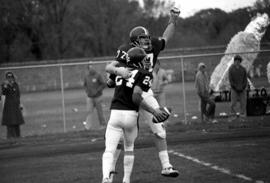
(174, 14)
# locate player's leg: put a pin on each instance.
(128, 164)
(112, 136)
(115, 157)
(117, 153)
(130, 134)
(159, 132)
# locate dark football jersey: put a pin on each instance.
(158, 44)
(122, 99)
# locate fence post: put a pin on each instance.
(183, 90)
(63, 97)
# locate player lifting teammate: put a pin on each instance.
(124, 112)
(139, 36)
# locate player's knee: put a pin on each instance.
(108, 153)
(161, 135)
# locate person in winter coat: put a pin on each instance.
(94, 85)
(239, 82)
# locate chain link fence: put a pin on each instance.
(54, 99)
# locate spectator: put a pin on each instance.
(208, 105)
(160, 80)
(259, 70)
(251, 71)
(238, 82)
(12, 112)
(268, 72)
(170, 74)
(94, 85)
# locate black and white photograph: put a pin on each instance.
(135, 91)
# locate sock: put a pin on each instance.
(107, 160)
(164, 159)
(128, 166)
(116, 156)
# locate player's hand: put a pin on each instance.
(160, 115)
(174, 14)
(110, 83)
(124, 72)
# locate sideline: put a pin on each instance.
(214, 167)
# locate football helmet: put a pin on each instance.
(136, 58)
(140, 37)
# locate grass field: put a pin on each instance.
(231, 156)
(226, 152)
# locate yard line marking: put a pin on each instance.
(214, 167)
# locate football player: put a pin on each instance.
(139, 36)
(124, 112)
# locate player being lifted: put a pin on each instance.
(124, 112)
(139, 36)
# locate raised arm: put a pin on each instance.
(170, 29)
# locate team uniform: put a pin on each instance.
(122, 99)
(124, 115)
(158, 45)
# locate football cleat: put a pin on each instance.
(112, 173)
(170, 172)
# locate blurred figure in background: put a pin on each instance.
(258, 70)
(94, 85)
(170, 73)
(251, 71)
(207, 104)
(268, 72)
(238, 81)
(160, 80)
(12, 111)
